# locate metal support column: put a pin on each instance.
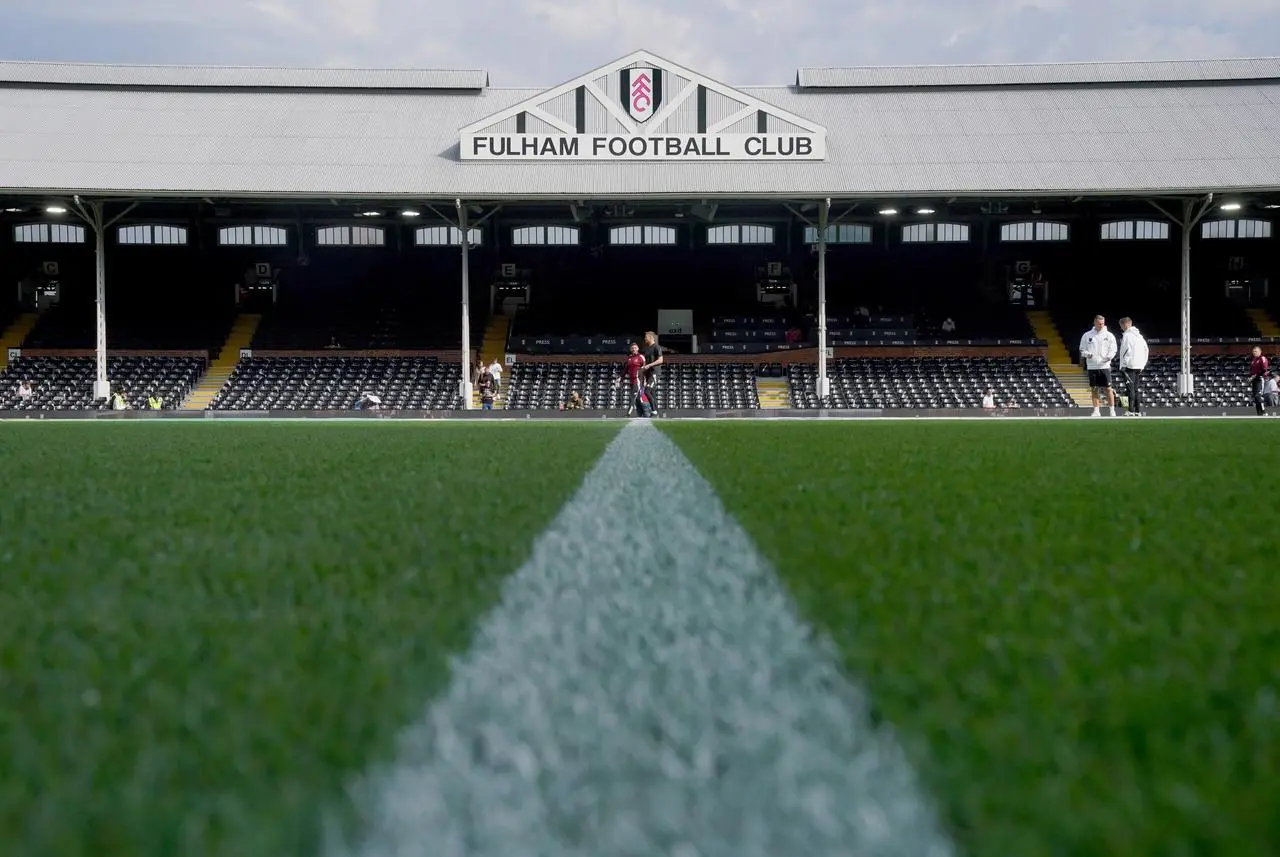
(824, 384)
(93, 213)
(1186, 381)
(1192, 214)
(101, 385)
(467, 366)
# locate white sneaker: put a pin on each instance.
(1114, 412)
(1096, 413)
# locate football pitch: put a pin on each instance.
(690, 639)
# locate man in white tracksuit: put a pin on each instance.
(1098, 348)
(1133, 359)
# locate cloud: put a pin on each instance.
(541, 42)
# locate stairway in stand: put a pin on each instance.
(1072, 378)
(774, 393)
(14, 335)
(224, 364)
(494, 347)
(1264, 322)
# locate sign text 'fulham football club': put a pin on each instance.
(642, 108)
(634, 147)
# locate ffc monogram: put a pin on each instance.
(641, 92)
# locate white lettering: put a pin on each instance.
(637, 147)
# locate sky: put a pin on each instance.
(544, 42)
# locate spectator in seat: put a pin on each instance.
(989, 399)
(948, 325)
(117, 401)
(794, 335)
(575, 402)
(154, 402)
(25, 392)
(1259, 369)
(1271, 391)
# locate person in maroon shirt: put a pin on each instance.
(632, 368)
(1259, 366)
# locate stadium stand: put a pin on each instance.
(1158, 319)
(66, 383)
(71, 325)
(337, 383)
(546, 386)
(931, 382)
(171, 304)
(8, 312)
(1222, 381)
(364, 315)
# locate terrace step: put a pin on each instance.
(14, 336)
(1072, 378)
(1264, 322)
(493, 347)
(241, 335)
(774, 393)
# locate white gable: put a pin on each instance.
(643, 108)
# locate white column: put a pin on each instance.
(101, 385)
(467, 364)
(1186, 381)
(824, 384)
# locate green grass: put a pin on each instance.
(1074, 626)
(207, 629)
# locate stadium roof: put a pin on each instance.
(1073, 129)
(1042, 74)
(232, 77)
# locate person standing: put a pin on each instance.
(1259, 368)
(652, 358)
(486, 387)
(1271, 391)
(495, 369)
(1097, 350)
(633, 374)
(1133, 360)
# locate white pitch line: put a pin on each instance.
(645, 687)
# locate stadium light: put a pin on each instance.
(887, 212)
(924, 211)
(1273, 206)
(409, 212)
(55, 209)
(371, 214)
(13, 211)
(1230, 206)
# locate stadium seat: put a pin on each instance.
(337, 383)
(66, 383)
(683, 386)
(931, 382)
(1221, 381)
